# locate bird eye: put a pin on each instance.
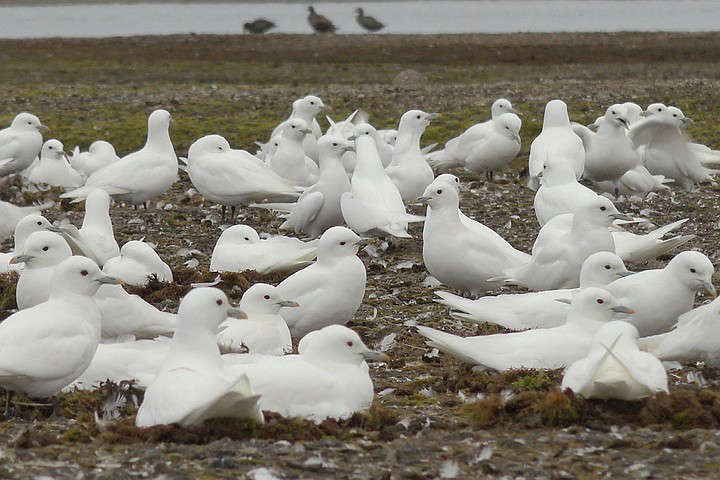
(349, 343)
(49, 147)
(674, 114)
(693, 270)
(312, 103)
(45, 249)
(603, 208)
(29, 123)
(507, 128)
(600, 301)
(342, 243)
(439, 192)
(607, 267)
(39, 223)
(266, 297)
(219, 301)
(293, 126)
(246, 238)
(613, 112)
(334, 144)
(219, 147)
(659, 109)
(84, 273)
(418, 117)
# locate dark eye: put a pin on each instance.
(39, 223)
(613, 112)
(219, 148)
(439, 192)
(507, 128)
(312, 103)
(246, 238)
(29, 123)
(342, 243)
(349, 343)
(659, 109)
(607, 267)
(693, 270)
(418, 117)
(219, 301)
(84, 273)
(266, 297)
(334, 144)
(674, 114)
(293, 126)
(603, 208)
(49, 147)
(45, 249)
(600, 301)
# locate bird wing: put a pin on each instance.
(306, 210)
(649, 130)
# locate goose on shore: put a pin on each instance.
(320, 23)
(371, 24)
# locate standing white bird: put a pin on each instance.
(136, 263)
(327, 378)
(53, 168)
(556, 347)
(26, 226)
(523, 311)
(95, 239)
(454, 253)
(556, 138)
(615, 368)
(318, 208)
(559, 191)
(330, 290)
(264, 331)
(240, 248)
(660, 296)
(46, 347)
(558, 254)
(99, 155)
(306, 109)
(289, 160)
(193, 385)
(20, 143)
(408, 170)
(11, 214)
(139, 176)
(43, 251)
(374, 201)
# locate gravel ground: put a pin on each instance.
(433, 417)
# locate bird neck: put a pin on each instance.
(199, 342)
(408, 139)
(159, 139)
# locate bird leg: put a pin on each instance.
(232, 213)
(55, 407)
(8, 401)
(223, 208)
(489, 175)
(145, 205)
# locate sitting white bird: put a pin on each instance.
(328, 378)
(136, 263)
(559, 191)
(408, 170)
(234, 177)
(523, 311)
(330, 290)
(95, 239)
(11, 214)
(240, 248)
(20, 143)
(556, 139)
(636, 183)
(555, 347)
(24, 228)
(289, 160)
(660, 296)
(46, 347)
(558, 253)
(374, 202)
(193, 385)
(306, 109)
(615, 368)
(100, 154)
(141, 175)
(43, 251)
(264, 331)
(318, 208)
(453, 252)
(53, 168)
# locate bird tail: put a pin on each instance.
(429, 148)
(440, 160)
(665, 229)
(668, 245)
(446, 343)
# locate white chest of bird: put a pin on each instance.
(42, 253)
(408, 170)
(53, 168)
(611, 153)
(20, 143)
(289, 160)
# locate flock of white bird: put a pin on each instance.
(610, 328)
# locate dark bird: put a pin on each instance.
(367, 22)
(258, 26)
(320, 23)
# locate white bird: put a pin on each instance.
(240, 248)
(234, 177)
(634, 248)
(666, 151)
(660, 296)
(559, 191)
(289, 160)
(11, 214)
(43, 251)
(555, 347)
(264, 331)
(330, 290)
(346, 128)
(139, 176)
(192, 385)
(26, 226)
(523, 311)
(53, 168)
(125, 315)
(408, 170)
(99, 154)
(46, 347)
(136, 262)
(454, 253)
(636, 183)
(374, 202)
(95, 239)
(328, 378)
(609, 153)
(318, 208)
(556, 139)
(306, 109)
(20, 143)
(615, 368)
(558, 253)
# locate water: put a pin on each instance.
(20, 21)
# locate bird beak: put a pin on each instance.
(516, 137)
(349, 148)
(423, 200)
(352, 138)
(624, 123)
(306, 131)
(620, 216)
(540, 174)
(686, 120)
(44, 127)
(512, 110)
(592, 125)
(432, 116)
(235, 312)
(625, 273)
(375, 356)
(20, 259)
(53, 228)
(325, 107)
(288, 303)
(106, 280)
(709, 288)
(622, 309)
(361, 243)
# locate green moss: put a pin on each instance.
(538, 380)
(483, 413)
